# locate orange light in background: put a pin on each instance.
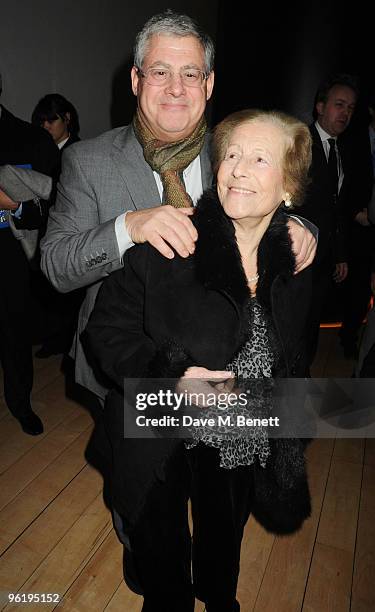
(339, 324)
(330, 325)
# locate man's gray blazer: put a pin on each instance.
(101, 178)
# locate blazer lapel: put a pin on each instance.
(137, 174)
(134, 170)
(343, 153)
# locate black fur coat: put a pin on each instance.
(156, 317)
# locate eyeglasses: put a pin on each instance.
(190, 77)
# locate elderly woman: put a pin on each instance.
(234, 305)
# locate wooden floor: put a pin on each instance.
(56, 533)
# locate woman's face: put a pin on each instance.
(250, 181)
(58, 128)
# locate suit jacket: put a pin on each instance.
(71, 140)
(101, 178)
(156, 317)
(319, 206)
(24, 143)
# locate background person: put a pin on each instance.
(333, 195)
(25, 145)
(59, 118)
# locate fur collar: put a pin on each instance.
(217, 258)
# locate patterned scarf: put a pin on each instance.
(169, 159)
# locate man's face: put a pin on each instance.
(172, 110)
(335, 114)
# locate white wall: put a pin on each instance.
(81, 49)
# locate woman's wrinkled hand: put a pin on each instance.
(203, 383)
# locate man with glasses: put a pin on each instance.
(138, 183)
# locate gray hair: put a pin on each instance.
(297, 153)
(172, 24)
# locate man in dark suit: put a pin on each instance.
(329, 198)
(24, 145)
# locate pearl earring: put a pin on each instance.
(287, 200)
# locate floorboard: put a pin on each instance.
(56, 533)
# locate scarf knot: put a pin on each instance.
(169, 159)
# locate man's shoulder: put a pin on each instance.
(318, 155)
(314, 133)
(101, 145)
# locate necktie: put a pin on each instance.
(332, 166)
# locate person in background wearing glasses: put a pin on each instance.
(138, 183)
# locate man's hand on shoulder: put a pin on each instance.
(303, 244)
(163, 227)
